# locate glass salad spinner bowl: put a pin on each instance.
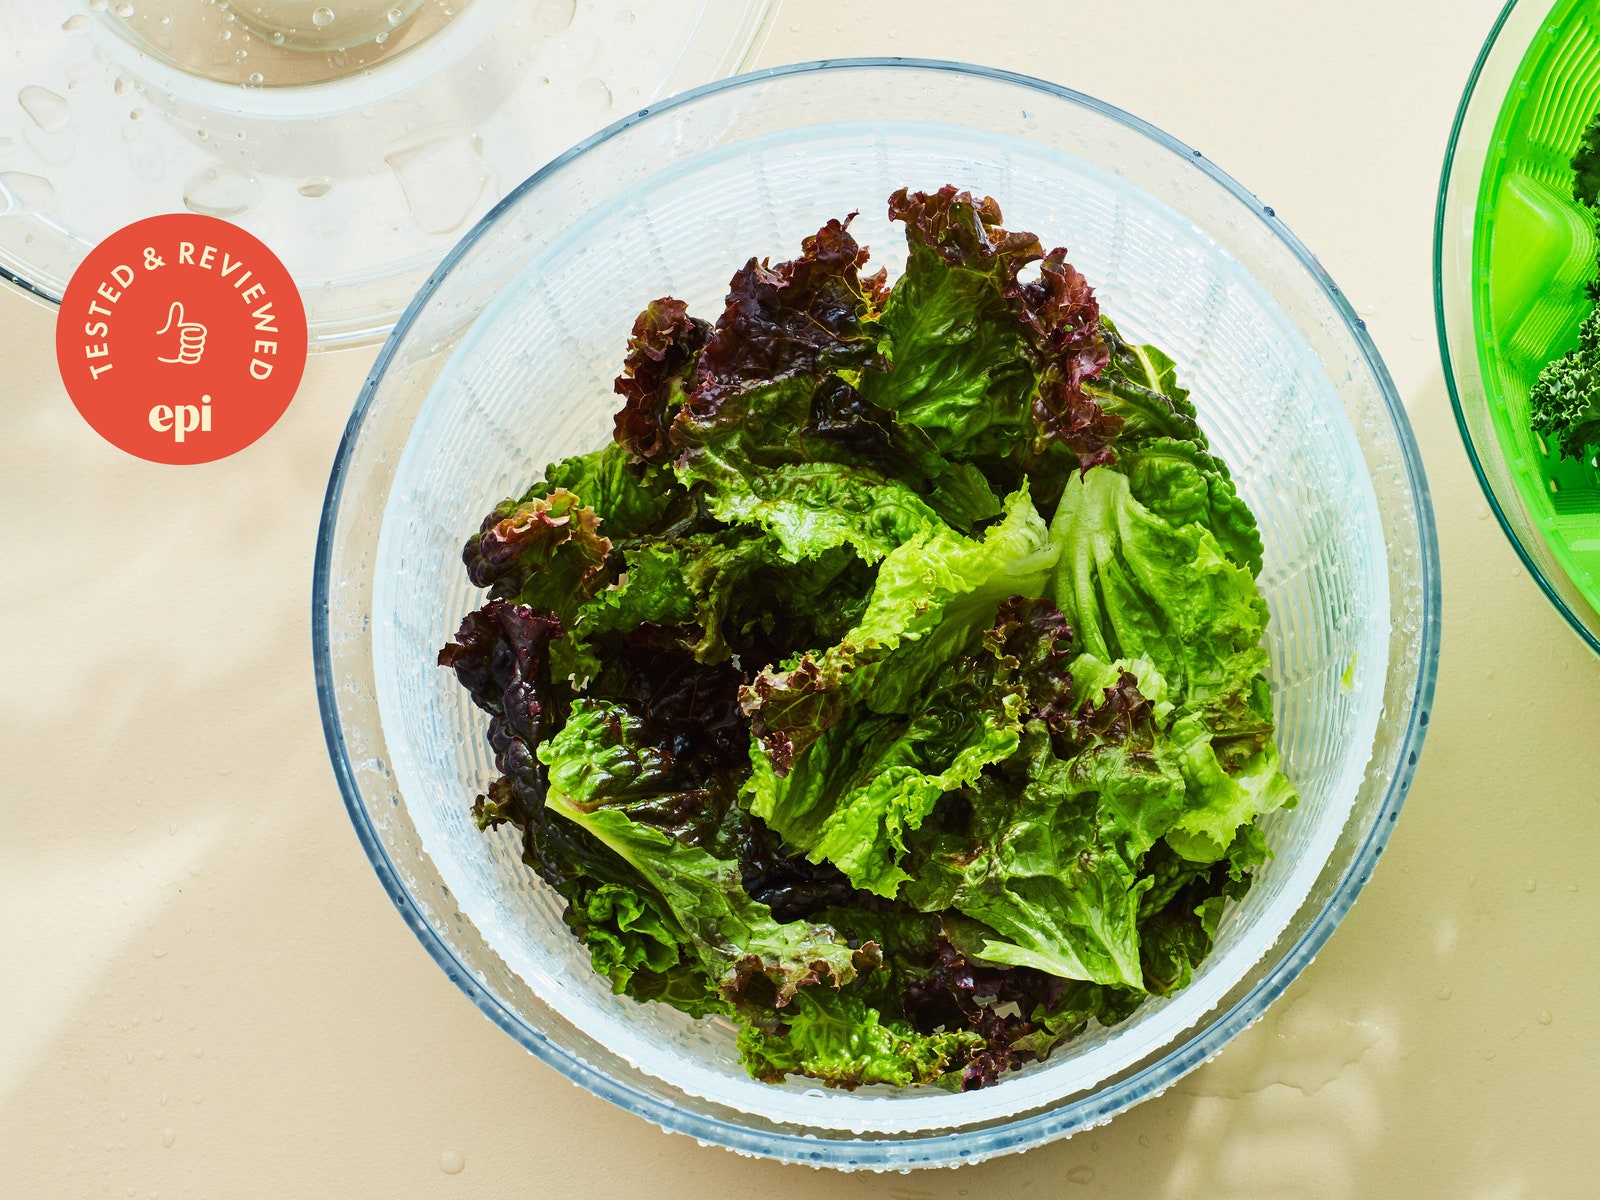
(504, 362)
(357, 138)
(1513, 255)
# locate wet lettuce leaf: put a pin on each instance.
(1133, 585)
(932, 599)
(610, 778)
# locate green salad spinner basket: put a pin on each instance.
(1513, 255)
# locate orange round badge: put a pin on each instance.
(181, 338)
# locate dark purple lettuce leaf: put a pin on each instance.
(522, 537)
(802, 317)
(501, 656)
(661, 356)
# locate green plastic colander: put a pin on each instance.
(1513, 255)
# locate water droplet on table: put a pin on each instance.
(1445, 993)
(1529, 886)
(168, 1137)
(221, 190)
(1082, 1173)
(1545, 1017)
(594, 95)
(48, 111)
(451, 1162)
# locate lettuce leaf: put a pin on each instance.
(845, 1042)
(1043, 885)
(933, 598)
(610, 779)
(1135, 586)
(990, 366)
(775, 431)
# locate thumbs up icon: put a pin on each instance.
(191, 336)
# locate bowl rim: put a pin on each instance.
(1441, 208)
(948, 1147)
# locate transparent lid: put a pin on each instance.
(357, 138)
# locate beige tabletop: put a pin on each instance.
(205, 993)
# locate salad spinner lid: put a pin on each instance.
(357, 138)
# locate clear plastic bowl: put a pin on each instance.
(504, 362)
(1513, 254)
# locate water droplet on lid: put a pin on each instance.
(221, 190)
(75, 22)
(553, 16)
(322, 17)
(124, 10)
(1544, 1016)
(381, 37)
(97, 5)
(451, 1162)
(123, 85)
(21, 192)
(168, 1137)
(625, 16)
(442, 175)
(48, 110)
(594, 95)
(277, 37)
(317, 185)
